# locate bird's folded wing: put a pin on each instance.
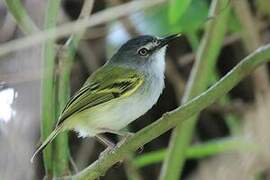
(105, 85)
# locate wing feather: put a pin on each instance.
(105, 85)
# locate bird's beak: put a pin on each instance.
(166, 40)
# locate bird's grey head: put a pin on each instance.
(142, 51)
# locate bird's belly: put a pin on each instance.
(118, 113)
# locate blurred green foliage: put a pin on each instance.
(176, 9)
(156, 20)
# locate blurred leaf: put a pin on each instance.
(176, 9)
(195, 17)
(233, 24)
(263, 6)
(156, 21)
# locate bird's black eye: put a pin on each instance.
(143, 51)
(156, 42)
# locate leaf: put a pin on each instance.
(156, 21)
(176, 9)
(234, 24)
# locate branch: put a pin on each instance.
(25, 23)
(102, 17)
(171, 119)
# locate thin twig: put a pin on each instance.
(102, 17)
(23, 20)
(190, 57)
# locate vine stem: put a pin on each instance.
(202, 70)
(48, 105)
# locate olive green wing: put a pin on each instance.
(106, 84)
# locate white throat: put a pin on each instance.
(158, 62)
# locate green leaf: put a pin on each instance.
(176, 9)
(233, 24)
(156, 21)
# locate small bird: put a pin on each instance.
(119, 92)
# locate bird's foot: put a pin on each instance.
(110, 145)
(124, 134)
(140, 149)
(105, 141)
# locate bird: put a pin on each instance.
(119, 92)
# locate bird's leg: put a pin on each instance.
(125, 134)
(105, 141)
(73, 164)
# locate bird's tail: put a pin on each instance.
(47, 141)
